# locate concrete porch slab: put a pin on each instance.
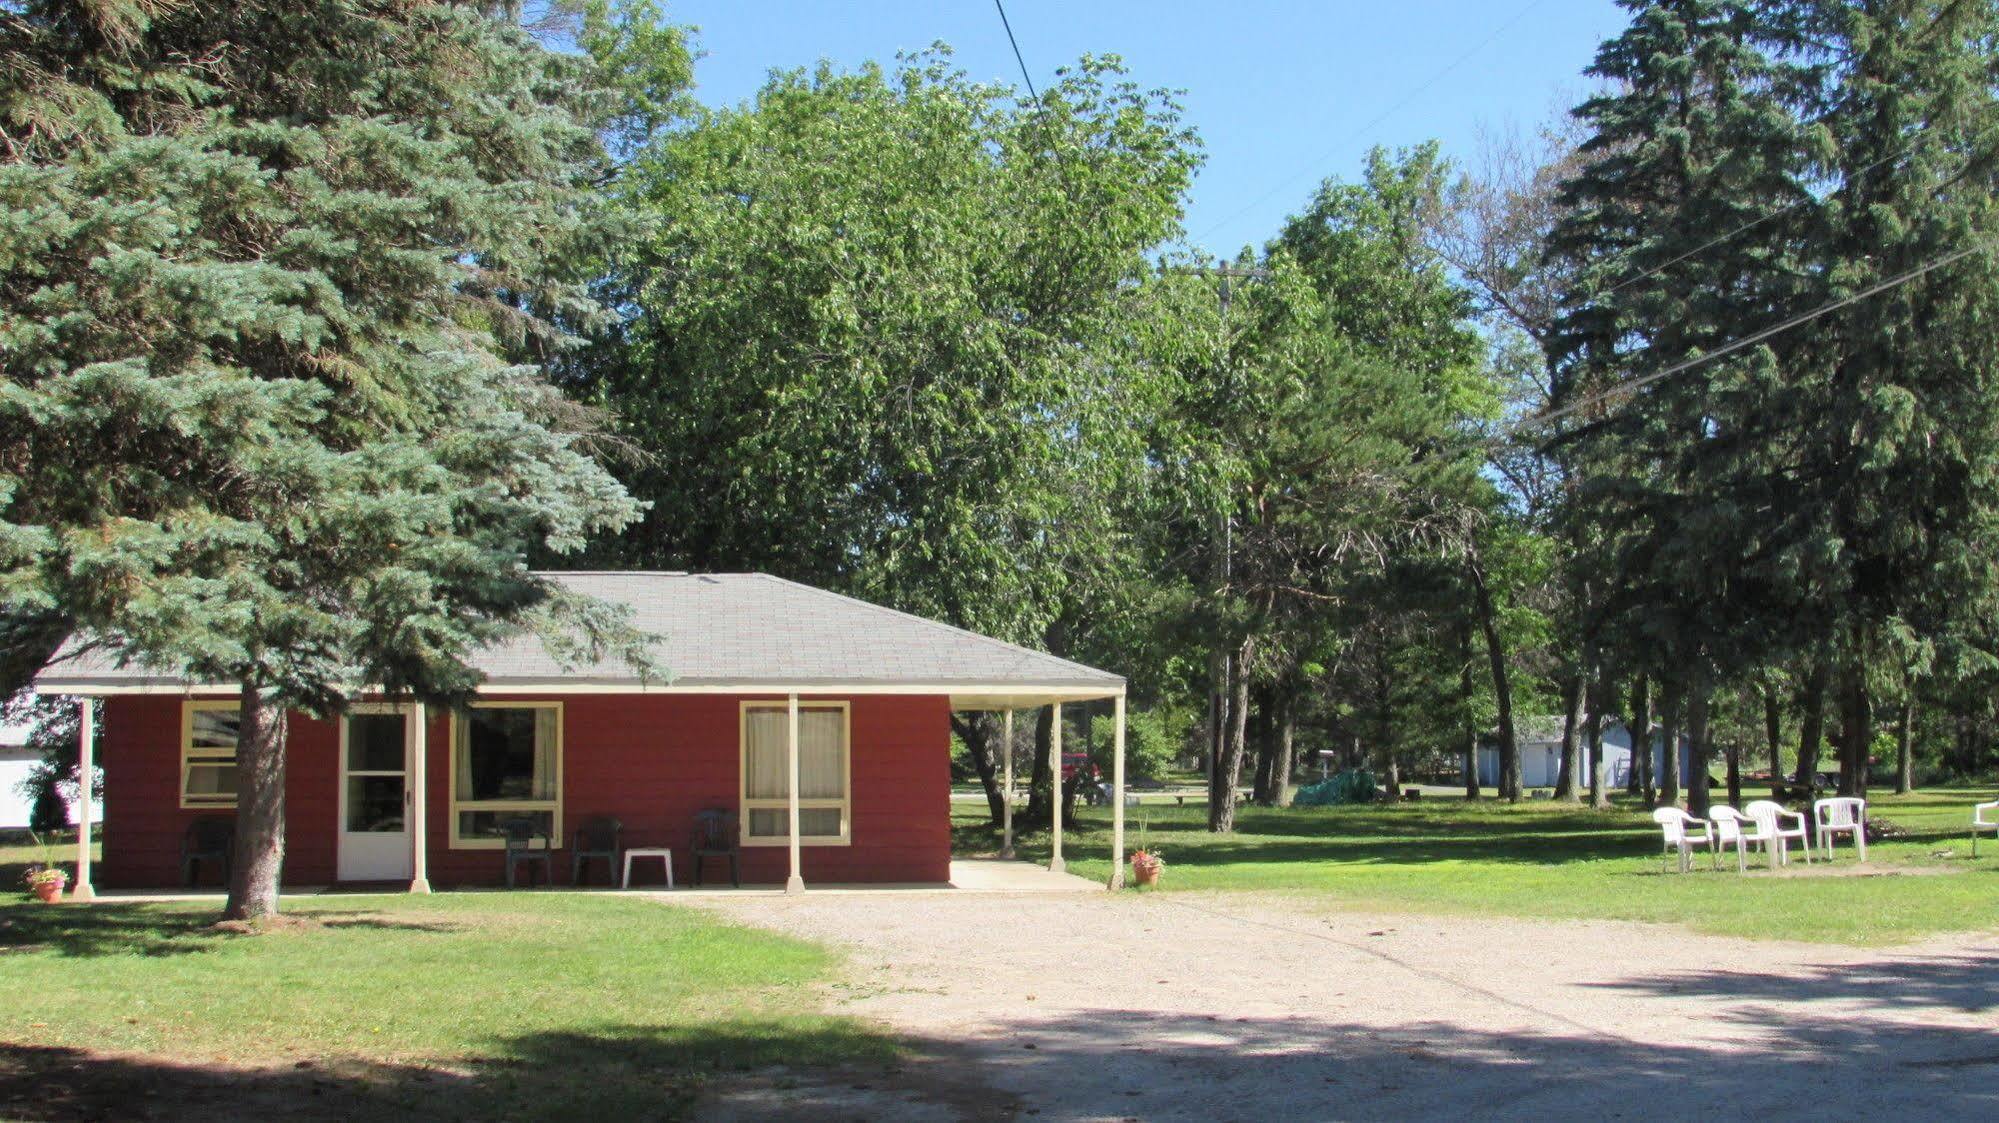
(1002, 875)
(968, 875)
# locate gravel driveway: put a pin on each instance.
(1179, 1006)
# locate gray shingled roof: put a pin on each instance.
(751, 631)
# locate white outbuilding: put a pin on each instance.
(1541, 753)
(16, 761)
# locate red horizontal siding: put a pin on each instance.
(651, 761)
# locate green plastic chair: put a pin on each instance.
(596, 838)
(520, 834)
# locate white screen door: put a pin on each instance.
(374, 795)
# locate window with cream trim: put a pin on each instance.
(506, 763)
(208, 754)
(824, 774)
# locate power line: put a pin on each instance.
(1787, 208)
(1384, 115)
(1004, 22)
(1750, 340)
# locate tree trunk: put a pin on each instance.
(1593, 738)
(1472, 790)
(1773, 736)
(1280, 770)
(1466, 691)
(1228, 770)
(1733, 753)
(1502, 681)
(1572, 713)
(982, 744)
(1669, 756)
(1856, 732)
(1634, 785)
(1038, 810)
(260, 807)
(1265, 727)
(1218, 690)
(1698, 780)
(1640, 727)
(1905, 743)
(1384, 734)
(1218, 656)
(1811, 727)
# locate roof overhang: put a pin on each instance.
(963, 695)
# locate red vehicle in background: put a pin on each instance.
(1090, 786)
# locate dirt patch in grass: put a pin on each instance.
(267, 925)
(1856, 870)
(300, 923)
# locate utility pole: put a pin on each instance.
(1221, 668)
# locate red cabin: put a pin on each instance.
(398, 793)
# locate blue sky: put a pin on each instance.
(1282, 93)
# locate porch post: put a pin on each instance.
(794, 883)
(86, 778)
(419, 802)
(1117, 792)
(1006, 813)
(1055, 863)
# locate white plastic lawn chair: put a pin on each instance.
(1841, 814)
(1984, 817)
(1769, 817)
(1728, 831)
(1683, 832)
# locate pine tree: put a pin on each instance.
(1672, 485)
(263, 268)
(1899, 452)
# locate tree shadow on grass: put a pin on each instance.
(103, 928)
(107, 929)
(1406, 851)
(1243, 849)
(1089, 1064)
(627, 1072)
(1452, 822)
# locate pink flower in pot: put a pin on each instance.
(47, 882)
(1145, 867)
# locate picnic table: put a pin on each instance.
(1180, 793)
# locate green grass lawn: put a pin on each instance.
(1542, 859)
(473, 1005)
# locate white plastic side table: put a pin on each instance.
(662, 853)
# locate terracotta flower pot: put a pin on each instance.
(1145, 870)
(48, 892)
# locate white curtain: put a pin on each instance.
(214, 730)
(461, 755)
(821, 769)
(765, 773)
(822, 772)
(547, 734)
